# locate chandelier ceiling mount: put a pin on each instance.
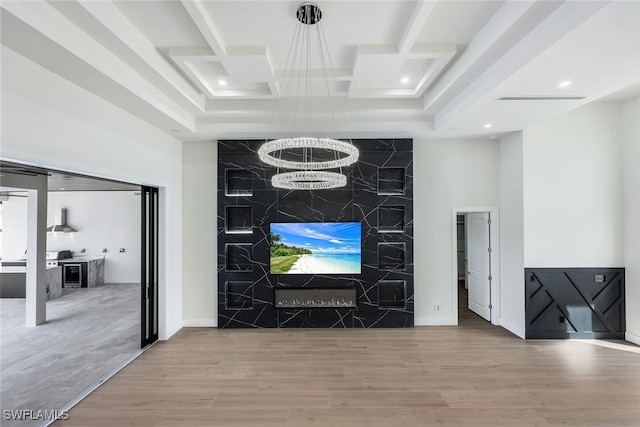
(309, 13)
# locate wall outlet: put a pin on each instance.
(437, 307)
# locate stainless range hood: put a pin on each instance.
(60, 225)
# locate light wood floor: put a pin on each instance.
(474, 374)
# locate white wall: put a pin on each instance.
(447, 174)
(511, 235)
(104, 220)
(573, 189)
(200, 209)
(50, 122)
(631, 185)
(14, 228)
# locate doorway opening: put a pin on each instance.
(102, 309)
(475, 265)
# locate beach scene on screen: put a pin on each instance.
(315, 248)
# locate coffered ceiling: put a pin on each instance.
(211, 69)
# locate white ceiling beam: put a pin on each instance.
(131, 38)
(392, 127)
(44, 35)
(232, 58)
(185, 57)
(416, 24)
(501, 21)
(550, 26)
(441, 54)
(198, 13)
(352, 106)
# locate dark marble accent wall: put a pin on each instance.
(379, 195)
(574, 303)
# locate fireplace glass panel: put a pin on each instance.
(316, 298)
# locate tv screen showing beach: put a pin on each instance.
(315, 248)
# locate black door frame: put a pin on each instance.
(149, 265)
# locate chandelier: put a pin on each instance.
(308, 156)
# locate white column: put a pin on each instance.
(36, 291)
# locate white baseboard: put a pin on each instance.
(512, 328)
(435, 321)
(632, 338)
(169, 334)
(200, 323)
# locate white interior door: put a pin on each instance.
(479, 263)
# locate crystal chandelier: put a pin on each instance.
(309, 180)
(308, 156)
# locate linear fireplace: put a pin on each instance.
(316, 298)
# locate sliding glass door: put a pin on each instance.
(149, 266)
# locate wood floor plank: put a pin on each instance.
(478, 417)
(321, 384)
(590, 416)
(387, 399)
(272, 400)
(226, 417)
(349, 417)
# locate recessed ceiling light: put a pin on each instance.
(222, 82)
(565, 83)
(405, 80)
(61, 188)
(487, 126)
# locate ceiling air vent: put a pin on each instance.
(541, 98)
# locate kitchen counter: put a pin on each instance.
(79, 258)
(92, 268)
(14, 282)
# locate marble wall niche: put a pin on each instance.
(379, 195)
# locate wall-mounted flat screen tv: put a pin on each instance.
(315, 248)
